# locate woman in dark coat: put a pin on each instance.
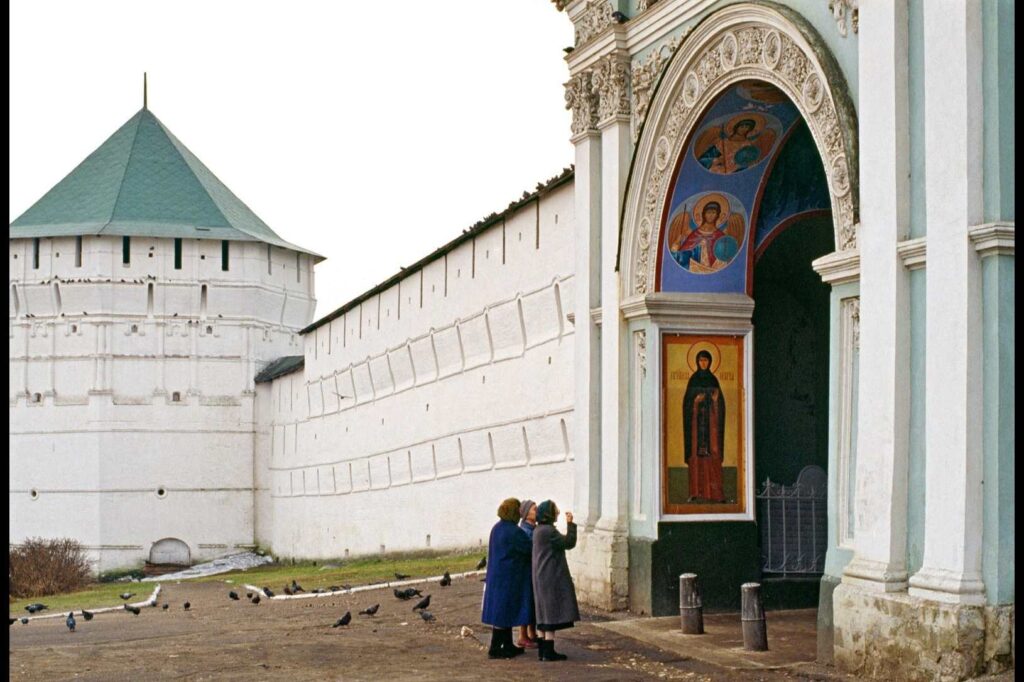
(553, 591)
(507, 598)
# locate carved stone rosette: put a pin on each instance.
(645, 76)
(841, 9)
(610, 81)
(739, 42)
(594, 19)
(581, 99)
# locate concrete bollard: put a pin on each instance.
(691, 609)
(755, 632)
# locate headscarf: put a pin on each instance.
(546, 512)
(509, 510)
(524, 508)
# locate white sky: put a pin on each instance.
(369, 132)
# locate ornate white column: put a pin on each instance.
(953, 436)
(579, 98)
(611, 85)
(879, 562)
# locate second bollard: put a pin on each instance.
(691, 610)
(755, 632)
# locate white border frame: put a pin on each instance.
(748, 415)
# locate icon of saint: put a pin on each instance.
(704, 432)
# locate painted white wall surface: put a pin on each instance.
(127, 380)
(419, 410)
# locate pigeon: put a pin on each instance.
(422, 603)
(412, 592)
(426, 615)
(248, 595)
(619, 17)
(187, 606)
(33, 608)
(233, 595)
(401, 594)
(446, 579)
(87, 615)
(24, 620)
(344, 620)
(370, 611)
(296, 588)
(287, 590)
(134, 609)
(319, 590)
(70, 622)
(483, 563)
(256, 599)
(166, 606)
(13, 621)
(126, 595)
(402, 576)
(266, 591)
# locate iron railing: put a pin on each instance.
(794, 524)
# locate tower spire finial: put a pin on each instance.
(145, 91)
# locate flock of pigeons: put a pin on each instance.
(294, 588)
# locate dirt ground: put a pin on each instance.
(221, 639)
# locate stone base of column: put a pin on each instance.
(600, 569)
(893, 635)
(947, 586)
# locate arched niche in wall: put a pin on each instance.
(741, 43)
(170, 551)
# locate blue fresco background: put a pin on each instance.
(796, 184)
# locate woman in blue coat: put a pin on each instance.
(508, 597)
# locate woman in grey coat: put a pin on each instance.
(553, 592)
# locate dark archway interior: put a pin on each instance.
(790, 392)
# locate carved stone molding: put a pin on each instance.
(610, 81)
(641, 351)
(992, 239)
(843, 9)
(595, 18)
(581, 99)
(739, 42)
(644, 77)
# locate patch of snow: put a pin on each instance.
(235, 562)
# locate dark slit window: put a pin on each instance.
(224, 254)
(177, 254)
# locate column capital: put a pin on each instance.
(992, 239)
(581, 99)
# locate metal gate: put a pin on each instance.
(794, 524)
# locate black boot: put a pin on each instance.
(542, 649)
(508, 646)
(548, 653)
(496, 650)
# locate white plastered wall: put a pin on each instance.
(424, 406)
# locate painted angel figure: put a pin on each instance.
(736, 145)
(711, 240)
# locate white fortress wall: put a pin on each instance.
(456, 392)
(131, 390)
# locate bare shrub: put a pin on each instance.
(41, 567)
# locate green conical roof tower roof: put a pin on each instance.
(143, 182)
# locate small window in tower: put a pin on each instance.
(176, 397)
(298, 263)
(37, 397)
(74, 329)
(126, 250)
(35, 253)
(135, 329)
(177, 254)
(209, 329)
(78, 252)
(270, 260)
(224, 254)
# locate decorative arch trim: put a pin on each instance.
(747, 41)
